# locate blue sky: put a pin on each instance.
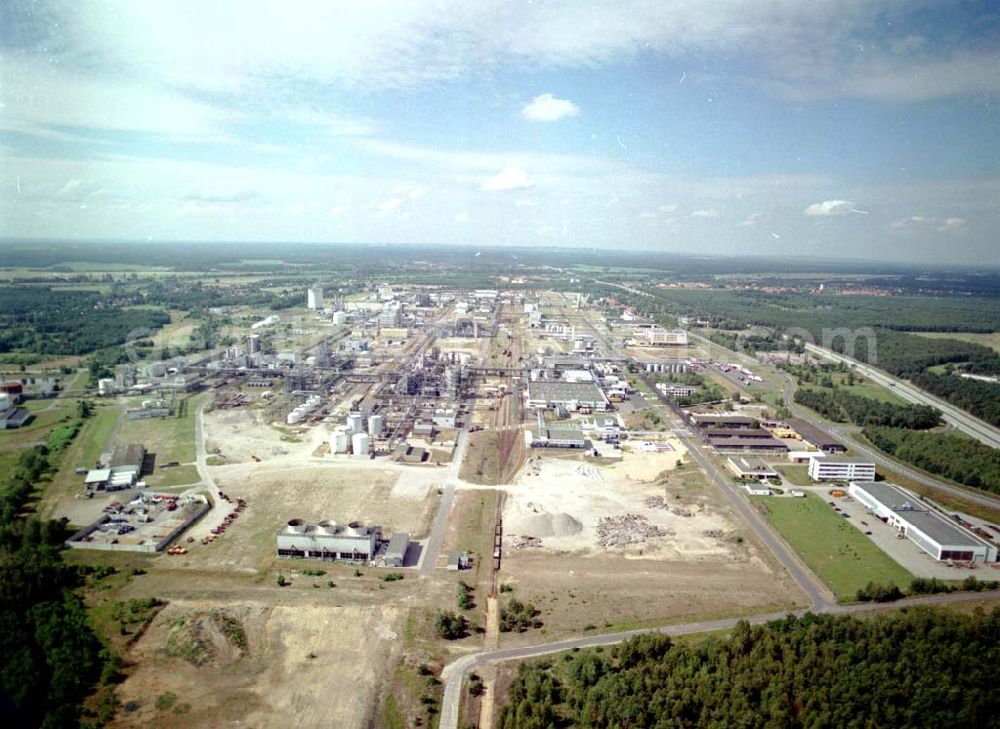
(861, 128)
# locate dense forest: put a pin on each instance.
(842, 406)
(813, 312)
(44, 321)
(915, 668)
(50, 659)
(980, 398)
(957, 457)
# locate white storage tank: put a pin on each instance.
(359, 445)
(375, 426)
(340, 440)
(356, 422)
(105, 385)
(340, 317)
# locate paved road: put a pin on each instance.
(429, 558)
(850, 438)
(978, 429)
(220, 509)
(817, 592)
(456, 671)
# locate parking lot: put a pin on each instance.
(904, 551)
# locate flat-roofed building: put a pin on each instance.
(673, 389)
(841, 469)
(655, 337)
(559, 438)
(817, 437)
(928, 528)
(328, 540)
(733, 421)
(570, 395)
(737, 444)
(751, 467)
(395, 551)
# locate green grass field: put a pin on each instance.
(171, 439)
(843, 557)
(795, 474)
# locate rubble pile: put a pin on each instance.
(523, 542)
(618, 531)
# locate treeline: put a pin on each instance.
(919, 668)
(907, 355)
(977, 397)
(43, 321)
(956, 457)
(50, 659)
(842, 406)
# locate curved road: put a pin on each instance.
(850, 438)
(978, 429)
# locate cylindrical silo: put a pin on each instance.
(359, 445)
(340, 439)
(375, 426)
(356, 422)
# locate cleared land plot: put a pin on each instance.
(575, 593)
(311, 493)
(636, 543)
(843, 557)
(304, 663)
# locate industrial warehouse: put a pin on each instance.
(932, 531)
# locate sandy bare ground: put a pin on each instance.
(303, 666)
(695, 564)
(562, 502)
(389, 498)
(240, 433)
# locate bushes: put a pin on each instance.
(465, 599)
(879, 593)
(930, 586)
(518, 616)
(391, 577)
(449, 625)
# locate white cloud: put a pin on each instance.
(462, 218)
(510, 178)
(668, 208)
(547, 108)
(926, 222)
(829, 207)
(707, 213)
(818, 48)
(751, 220)
(390, 204)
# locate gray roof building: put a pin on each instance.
(929, 529)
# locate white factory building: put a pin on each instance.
(314, 297)
(570, 395)
(929, 529)
(841, 469)
(655, 337)
(329, 540)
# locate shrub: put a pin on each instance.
(449, 625)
